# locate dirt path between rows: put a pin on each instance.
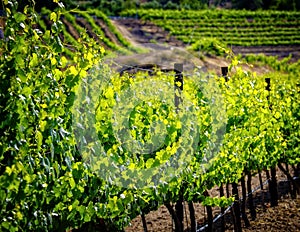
(165, 50)
(284, 217)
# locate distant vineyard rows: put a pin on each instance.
(92, 22)
(245, 28)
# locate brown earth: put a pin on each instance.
(70, 29)
(161, 45)
(284, 217)
(145, 32)
(89, 29)
(279, 51)
(108, 34)
(165, 50)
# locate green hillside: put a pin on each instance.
(233, 27)
(91, 23)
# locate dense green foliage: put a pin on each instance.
(209, 46)
(231, 27)
(44, 186)
(47, 182)
(93, 29)
(114, 7)
(99, 14)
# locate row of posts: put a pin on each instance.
(178, 68)
(179, 208)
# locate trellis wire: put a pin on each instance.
(229, 207)
(149, 70)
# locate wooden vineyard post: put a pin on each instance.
(296, 178)
(292, 189)
(192, 216)
(243, 206)
(273, 182)
(273, 188)
(225, 72)
(210, 224)
(178, 68)
(261, 188)
(144, 222)
(236, 208)
(178, 87)
(250, 196)
(174, 216)
(222, 210)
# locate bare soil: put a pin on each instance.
(279, 51)
(70, 29)
(284, 217)
(145, 34)
(165, 50)
(108, 34)
(89, 29)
